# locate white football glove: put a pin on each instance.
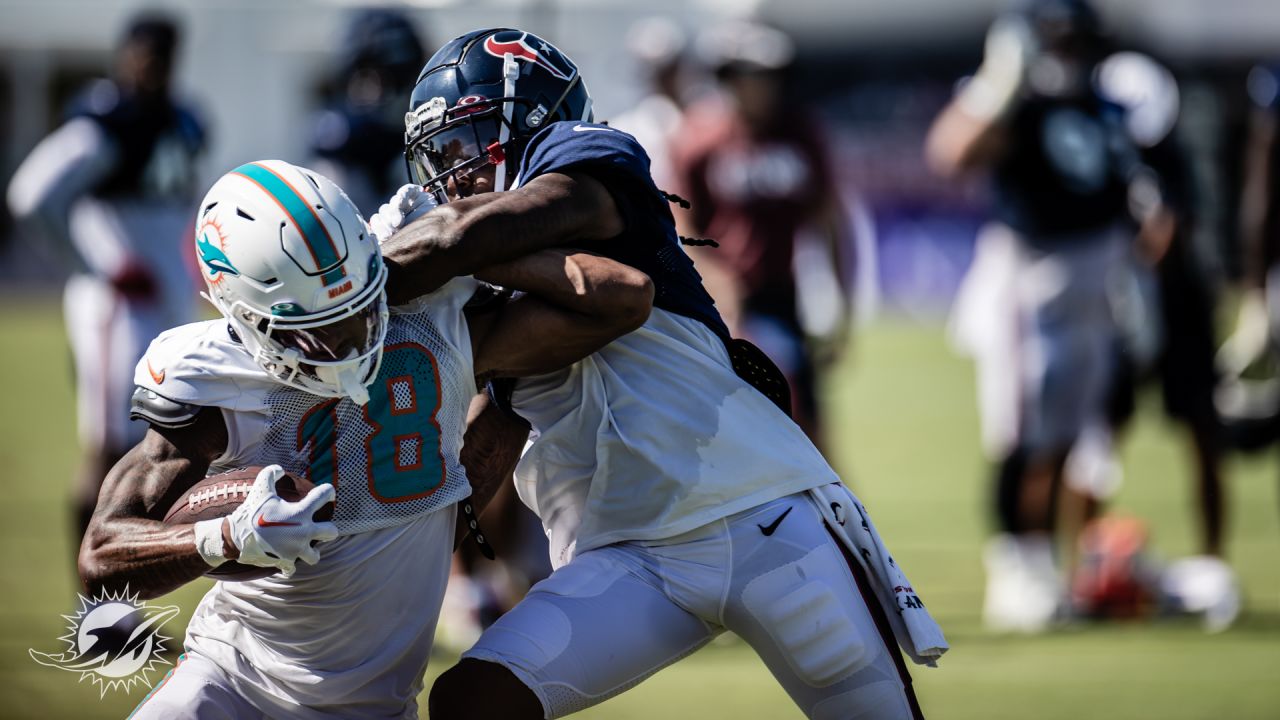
(409, 202)
(273, 532)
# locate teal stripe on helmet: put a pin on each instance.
(304, 217)
(334, 275)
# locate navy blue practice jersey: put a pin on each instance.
(1066, 169)
(648, 242)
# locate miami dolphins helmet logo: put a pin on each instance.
(209, 244)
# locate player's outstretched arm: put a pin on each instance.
(575, 304)
(127, 542)
(464, 236)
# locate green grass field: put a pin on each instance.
(904, 436)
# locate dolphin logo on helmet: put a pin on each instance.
(211, 255)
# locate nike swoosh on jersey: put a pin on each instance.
(157, 376)
(768, 529)
(584, 128)
(263, 522)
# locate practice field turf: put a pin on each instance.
(905, 437)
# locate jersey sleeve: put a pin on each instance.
(566, 145)
(609, 155)
(648, 241)
(199, 366)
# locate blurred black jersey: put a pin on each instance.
(158, 143)
(1066, 169)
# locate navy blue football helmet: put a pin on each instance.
(479, 100)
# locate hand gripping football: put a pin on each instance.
(219, 495)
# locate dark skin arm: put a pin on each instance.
(576, 303)
(127, 542)
(467, 235)
(490, 451)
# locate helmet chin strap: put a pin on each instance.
(510, 72)
(349, 379)
(346, 377)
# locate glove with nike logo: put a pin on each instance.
(273, 532)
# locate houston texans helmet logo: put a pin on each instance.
(520, 49)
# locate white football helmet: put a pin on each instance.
(292, 265)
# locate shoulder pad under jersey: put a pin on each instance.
(161, 411)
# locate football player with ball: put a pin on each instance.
(309, 372)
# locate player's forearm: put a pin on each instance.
(126, 542)
(581, 282)
(467, 235)
(959, 142)
(146, 556)
(490, 452)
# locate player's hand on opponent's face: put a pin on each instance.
(270, 531)
(409, 202)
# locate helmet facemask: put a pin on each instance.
(333, 353)
(452, 147)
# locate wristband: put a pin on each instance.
(209, 541)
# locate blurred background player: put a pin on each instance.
(359, 139)
(659, 46)
(755, 168)
(1166, 315)
(1036, 310)
(111, 191)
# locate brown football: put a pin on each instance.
(219, 495)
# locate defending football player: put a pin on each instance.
(310, 371)
(679, 499)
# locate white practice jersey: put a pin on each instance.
(356, 627)
(651, 437)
